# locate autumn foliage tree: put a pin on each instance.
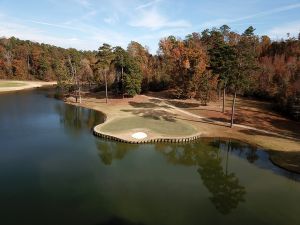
(198, 66)
(279, 76)
(186, 62)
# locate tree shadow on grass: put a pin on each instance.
(219, 119)
(265, 122)
(154, 100)
(155, 114)
(204, 109)
(204, 120)
(256, 132)
(142, 104)
(181, 104)
(292, 127)
(147, 105)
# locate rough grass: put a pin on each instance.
(11, 84)
(164, 127)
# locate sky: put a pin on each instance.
(87, 24)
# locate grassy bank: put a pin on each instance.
(149, 112)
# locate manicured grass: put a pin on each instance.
(161, 126)
(11, 84)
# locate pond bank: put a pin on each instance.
(146, 107)
(159, 111)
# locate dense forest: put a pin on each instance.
(203, 65)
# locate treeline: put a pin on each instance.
(278, 77)
(26, 60)
(202, 65)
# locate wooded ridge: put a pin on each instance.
(202, 66)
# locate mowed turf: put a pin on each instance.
(11, 84)
(160, 126)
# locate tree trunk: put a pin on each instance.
(224, 93)
(233, 108)
(72, 69)
(74, 78)
(105, 78)
(79, 92)
(122, 72)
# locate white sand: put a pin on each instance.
(139, 135)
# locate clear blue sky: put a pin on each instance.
(86, 24)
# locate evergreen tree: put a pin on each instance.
(245, 65)
(222, 59)
(133, 78)
(105, 56)
(119, 63)
(128, 74)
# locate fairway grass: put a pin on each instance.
(159, 126)
(11, 84)
(14, 85)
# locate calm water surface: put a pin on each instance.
(53, 171)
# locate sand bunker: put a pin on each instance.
(139, 135)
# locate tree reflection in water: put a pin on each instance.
(226, 191)
(75, 118)
(225, 188)
(109, 150)
(243, 150)
(249, 151)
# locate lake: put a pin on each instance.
(53, 171)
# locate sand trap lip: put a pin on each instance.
(139, 135)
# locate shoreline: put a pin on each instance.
(287, 159)
(151, 136)
(284, 151)
(27, 85)
(206, 129)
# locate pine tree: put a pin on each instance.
(245, 65)
(105, 56)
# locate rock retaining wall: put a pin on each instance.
(150, 140)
